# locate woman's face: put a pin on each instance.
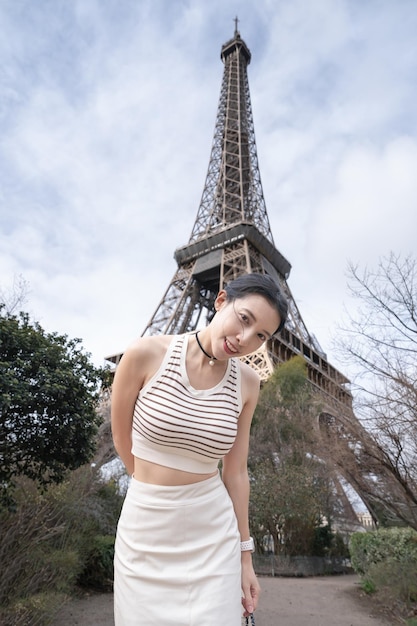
(241, 326)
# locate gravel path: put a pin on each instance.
(321, 601)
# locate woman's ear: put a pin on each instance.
(221, 300)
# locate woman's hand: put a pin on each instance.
(250, 586)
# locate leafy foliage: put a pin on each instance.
(366, 549)
(48, 399)
(286, 412)
(291, 492)
(98, 569)
(53, 541)
(386, 559)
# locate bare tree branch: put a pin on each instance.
(381, 340)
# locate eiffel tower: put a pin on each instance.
(232, 236)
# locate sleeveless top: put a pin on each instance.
(184, 428)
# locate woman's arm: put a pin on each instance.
(137, 366)
(236, 480)
(125, 390)
(128, 380)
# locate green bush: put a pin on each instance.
(386, 560)
(359, 545)
(34, 610)
(339, 547)
(52, 539)
(35, 547)
(398, 544)
(98, 569)
(397, 579)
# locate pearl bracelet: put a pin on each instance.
(246, 546)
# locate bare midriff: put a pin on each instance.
(154, 474)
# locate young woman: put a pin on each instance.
(180, 404)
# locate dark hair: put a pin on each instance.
(262, 285)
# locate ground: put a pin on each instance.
(318, 601)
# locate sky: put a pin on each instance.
(107, 114)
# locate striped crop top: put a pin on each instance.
(184, 428)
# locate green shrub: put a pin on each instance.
(358, 546)
(51, 539)
(98, 568)
(61, 569)
(397, 579)
(368, 586)
(339, 547)
(322, 541)
(34, 548)
(34, 610)
(386, 560)
(398, 544)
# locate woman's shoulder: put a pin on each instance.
(142, 358)
(150, 343)
(148, 347)
(250, 378)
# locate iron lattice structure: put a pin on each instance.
(232, 236)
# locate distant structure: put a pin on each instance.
(232, 236)
(366, 521)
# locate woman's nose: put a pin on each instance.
(244, 337)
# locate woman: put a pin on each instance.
(180, 404)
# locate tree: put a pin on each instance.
(291, 488)
(48, 397)
(285, 417)
(381, 340)
(13, 298)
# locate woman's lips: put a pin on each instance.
(229, 348)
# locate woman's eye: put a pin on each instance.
(262, 337)
(244, 317)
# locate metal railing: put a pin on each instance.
(273, 565)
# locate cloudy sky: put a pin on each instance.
(107, 113)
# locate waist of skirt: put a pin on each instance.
(176, 495)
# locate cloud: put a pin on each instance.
(375, 191)
(107, 113)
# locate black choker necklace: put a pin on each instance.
(211, 358)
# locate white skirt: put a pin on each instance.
(177, 557)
